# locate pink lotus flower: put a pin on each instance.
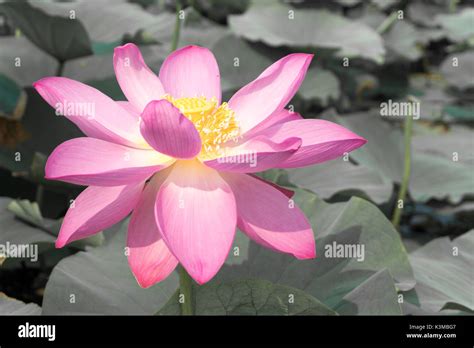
(178, 159)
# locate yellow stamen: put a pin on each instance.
(215, 124)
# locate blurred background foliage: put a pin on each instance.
(366, 52)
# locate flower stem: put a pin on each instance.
(408, 127)
(177, 28)
(60, 68)
(387, 23)
(186, 291)
(39, 195)
(452, 5)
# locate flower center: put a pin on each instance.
(215, 124)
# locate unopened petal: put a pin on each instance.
(168, 131)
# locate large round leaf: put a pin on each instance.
(11, 306)
(339, 176)
(435, 172)
(458, 69)
(376, 296)
(443, 272)
(63, 38)
(248, 297)
(109, 20)
(327, 278)
(458, 26)
(23, 62)
(278, 25)
(99, 281)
